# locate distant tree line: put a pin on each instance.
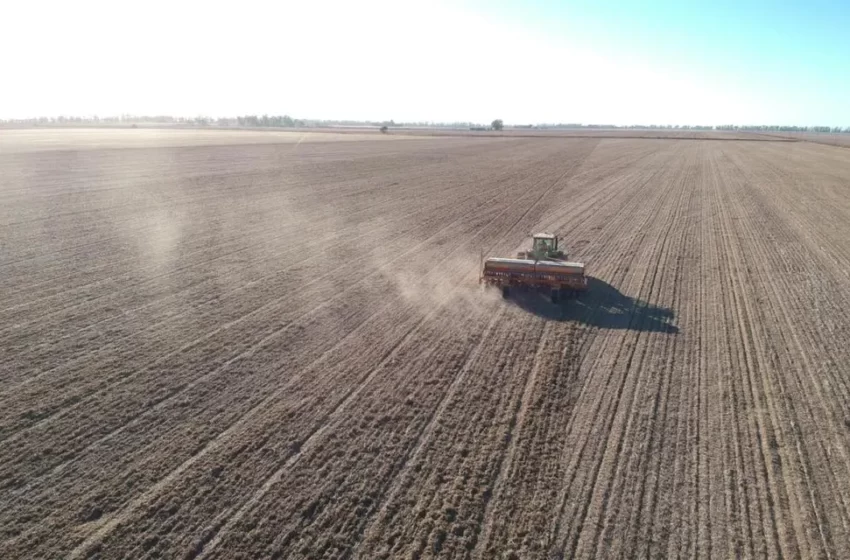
(778, 128)
(271, 121)
(265, 121)
(728, 127)
(285, 121)
(124, 119)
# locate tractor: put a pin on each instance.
(542, 268)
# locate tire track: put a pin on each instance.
(427, 431)
(406, 419)
(264, 342)
(655, 285)
(508, 455)
(100, 534)
(233, 520)
(600, 362)
(751, 362)
(586, 337)
(267, 306)
(804, 455)
(273, 302)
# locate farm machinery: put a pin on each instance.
(543, 268)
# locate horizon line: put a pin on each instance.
(265, 121)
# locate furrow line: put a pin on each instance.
(101, 534)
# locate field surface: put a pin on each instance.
(842, 139)
(280, 349)
(71, 138)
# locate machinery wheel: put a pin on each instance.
(506, 292)
(555, 294)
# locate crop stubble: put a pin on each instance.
(281, 349)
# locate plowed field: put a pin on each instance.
(281, 350)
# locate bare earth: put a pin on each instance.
(38, 139)
(273, 349)
(842, 139)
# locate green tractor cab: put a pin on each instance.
(543, 248)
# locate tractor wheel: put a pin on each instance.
(506, 292)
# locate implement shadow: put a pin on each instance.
(602, 306)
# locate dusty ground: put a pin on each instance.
(824, 138)
(567, 133)
(15, 140)
(281, 350)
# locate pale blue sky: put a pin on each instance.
(792, 54)
(649, 62)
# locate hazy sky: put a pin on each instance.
(677, 62)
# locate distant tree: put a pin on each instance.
(384, 129)
(497, 124)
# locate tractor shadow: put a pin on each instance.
(602, 306)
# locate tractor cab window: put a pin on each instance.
(543, 244)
